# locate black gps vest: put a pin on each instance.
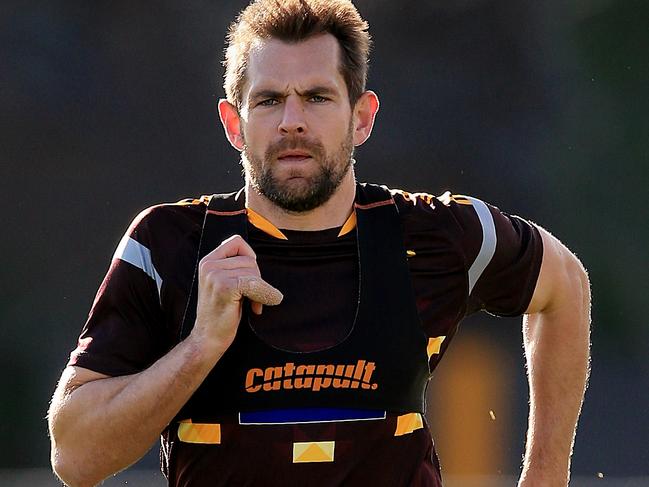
(382, 364)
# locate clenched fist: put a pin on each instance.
(225, 276)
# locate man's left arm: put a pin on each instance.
(556, 336)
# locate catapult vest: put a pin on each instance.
(382, 364)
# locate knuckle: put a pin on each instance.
(234, 238)
(217, 287)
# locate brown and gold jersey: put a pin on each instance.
(463, 256)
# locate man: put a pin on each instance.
(319, 378)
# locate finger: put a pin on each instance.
(256, 307)
(258, 290)
(230, 247)
(230, 263)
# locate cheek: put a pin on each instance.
(329, 131)
(253, 136)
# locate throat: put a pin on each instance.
(332, 213)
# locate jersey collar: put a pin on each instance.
(266, 226)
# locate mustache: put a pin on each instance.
(314, 147)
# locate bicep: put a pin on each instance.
(506, 285)
(71, 379)
(561, 278)
(74, 377)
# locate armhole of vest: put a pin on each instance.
(181, 329)
(489, 240)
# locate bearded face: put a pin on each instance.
(297, 173)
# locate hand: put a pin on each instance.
(225, 276)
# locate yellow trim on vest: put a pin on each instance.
(202, 433)
(262, 224)
(407, 423)
(313, 451)
(434, 345)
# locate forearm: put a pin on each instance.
(557, 351)
(105, 425)
(100, 425)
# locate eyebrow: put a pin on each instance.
(316, 90)
(265, 94)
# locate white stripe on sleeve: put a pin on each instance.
(488, 247)
(133, 252)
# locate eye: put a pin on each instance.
(268, 102)
(318, 99)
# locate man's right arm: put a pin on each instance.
(100, 425)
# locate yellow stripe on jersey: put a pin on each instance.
(266, 226)
(196, 201)
(200, 433)
(434, 345)
(413, 197)
(407, 423)
(349, 225)
(313, 451)
(459, 199)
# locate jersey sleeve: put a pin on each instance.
(119, 336)
(503, 254)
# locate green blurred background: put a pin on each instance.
(537, 107)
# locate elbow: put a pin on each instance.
(67, 469)
(64, 471)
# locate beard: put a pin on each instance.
(298, 192)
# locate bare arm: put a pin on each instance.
(100, 425)
(556, 335)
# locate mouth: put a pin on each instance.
(293, 156)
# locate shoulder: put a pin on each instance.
(179, 217)
(463, 222)
(163, 235)
(457, 213)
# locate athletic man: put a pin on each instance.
(361, 287)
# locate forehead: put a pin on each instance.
(276, 64)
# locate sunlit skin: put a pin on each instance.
(295, 119)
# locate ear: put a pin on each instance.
(364, 114)
(231, 123)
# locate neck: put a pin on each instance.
(331, 214)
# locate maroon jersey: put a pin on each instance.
(463, 256)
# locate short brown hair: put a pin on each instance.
(294, 21)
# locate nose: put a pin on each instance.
(293, 119)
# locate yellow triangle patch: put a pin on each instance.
(317, 451)
(434, 345)
(407, 423)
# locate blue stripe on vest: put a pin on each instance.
(310, 415)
